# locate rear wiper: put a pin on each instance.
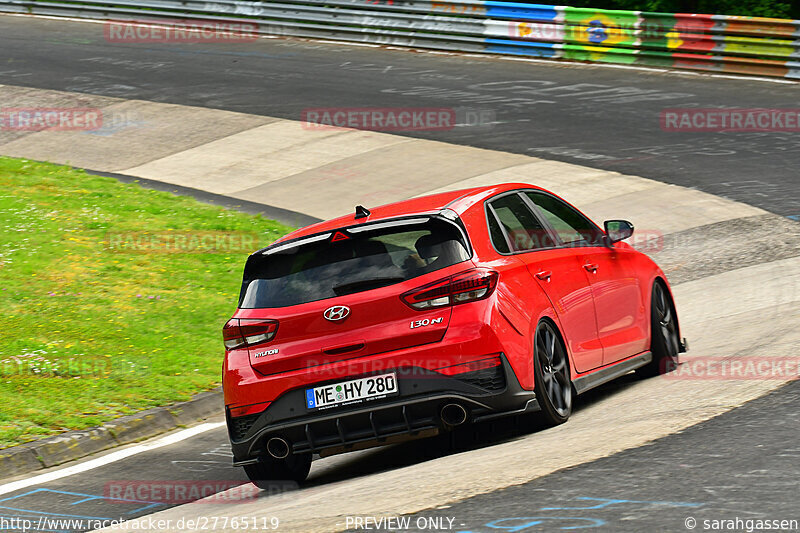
(365, 285)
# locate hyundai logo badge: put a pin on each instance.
(337, 313)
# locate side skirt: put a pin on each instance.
(609, 373)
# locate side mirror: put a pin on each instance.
(618, 230)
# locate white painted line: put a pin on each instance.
(110, 458)
(567, 62)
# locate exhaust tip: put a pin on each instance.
(453, 414)
(278, 448)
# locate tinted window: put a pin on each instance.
(523, 228)
(311, 271)
(496, 234)
(572, 227)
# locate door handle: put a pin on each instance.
(590, 267)
(544, 275)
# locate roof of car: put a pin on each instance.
(458, 201)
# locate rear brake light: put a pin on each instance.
(249, 409)
(241, 332)
(469, 286)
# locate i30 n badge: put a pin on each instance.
(460, 307)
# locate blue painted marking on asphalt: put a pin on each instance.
(108, 130)
(550, 522)
(539, 520)
(63, 515)
(605, 502)
(92, 497)
(83, 499)
(794, 217)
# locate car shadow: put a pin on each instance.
(461, 439)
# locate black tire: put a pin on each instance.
(664, 336)
(551, 375)
(269, 472)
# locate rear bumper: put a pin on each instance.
(412, 413)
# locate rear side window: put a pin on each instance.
(523, 229)
(361, 259)
(572, 227)
(496, 234)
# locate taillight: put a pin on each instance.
(249, 409)
(241, 332)
(468, 286)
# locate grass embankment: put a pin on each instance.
(112, 296)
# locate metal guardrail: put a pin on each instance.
(718, 43)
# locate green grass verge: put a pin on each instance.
(113, 296)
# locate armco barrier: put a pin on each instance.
(719, 43)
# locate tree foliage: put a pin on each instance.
(753, 8)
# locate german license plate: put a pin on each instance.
(353, 391)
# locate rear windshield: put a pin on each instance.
(350, 261)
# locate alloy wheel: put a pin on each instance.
(554, 369)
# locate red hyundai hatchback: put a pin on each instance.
(426, 314)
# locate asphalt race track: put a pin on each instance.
(595, 116)
(740, 464)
